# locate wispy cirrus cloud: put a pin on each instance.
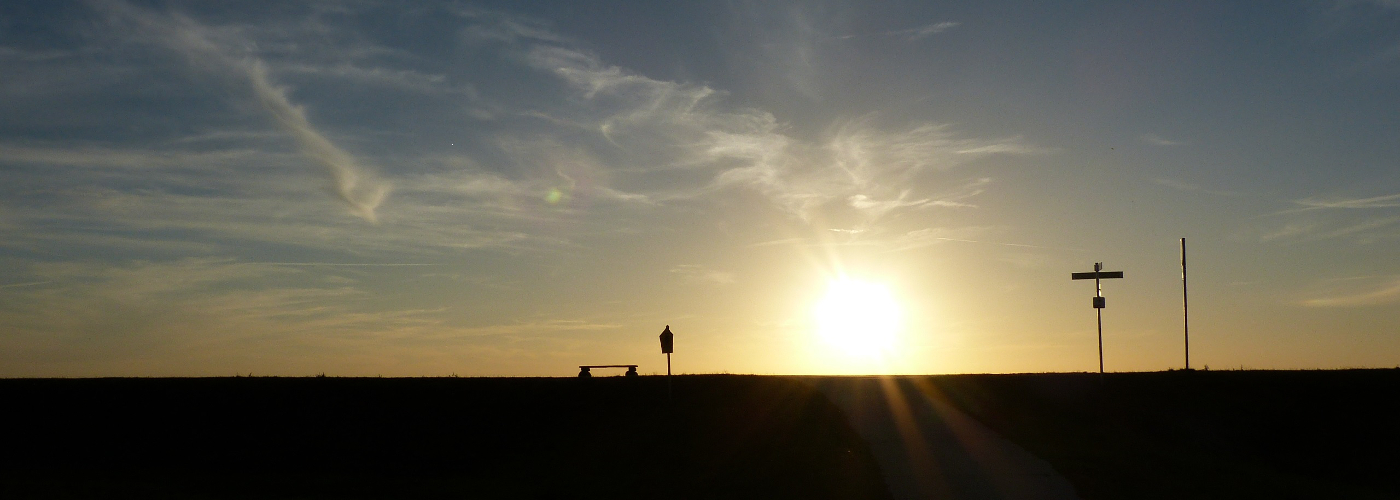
(210, 49)
(687, 127)
(214, 316)
(670, 140)
(1187, 186)
(1376, 293)
(1290, 230)
(912, 34)
(1158, 140)
(978, 235)
(1363, 220)
(699, 274)
(32, 283)
(125, 158)
(1363, 230)
(925, 30)
(403, 79)
(617, 140)
(1386, 201)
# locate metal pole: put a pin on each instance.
(1185, 309)
(1100, 343)
(668, 376)
(1098, 292)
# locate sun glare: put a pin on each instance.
(858, 318)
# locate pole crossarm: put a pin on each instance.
(1096, 275)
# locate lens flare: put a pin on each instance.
(554, 196)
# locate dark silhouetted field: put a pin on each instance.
(1216, 434)
(725, 437)
(1232, 434)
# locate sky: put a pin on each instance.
(367, 188)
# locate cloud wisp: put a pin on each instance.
(142, 318)
(1364, 220)
(1387, 201)
(912, 34)
(1186, 186)
(354, 185)
(32, 283)
(856, 165)
(693, 273)
(924, 31)
(1385, 293)
(1158, 140)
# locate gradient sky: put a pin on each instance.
(391, 188)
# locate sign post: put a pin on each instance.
(1096, 275)
(668, 346)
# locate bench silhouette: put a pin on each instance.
(583, 370)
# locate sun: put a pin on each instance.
(858, 318)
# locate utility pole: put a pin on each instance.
(1185, 308)
(1096, 275)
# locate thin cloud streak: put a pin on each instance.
(924, 237)
(1159, 140)
(1186, 186)
(913, 34)
(926, 30)
(1388, 201)
(351, 183)
(1383, 295)
(336, 264)
(700, 274)
(99, 157)
(18, 285)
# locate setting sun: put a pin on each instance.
(857, 317)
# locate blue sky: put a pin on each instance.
(362, 188)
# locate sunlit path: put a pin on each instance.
(928, 449)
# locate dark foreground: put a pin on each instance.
(1173, 435)
(724, 437)
(1233, 434)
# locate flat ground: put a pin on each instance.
(1212, 434)
(723, 437)
(927, 448)
(1232, 434)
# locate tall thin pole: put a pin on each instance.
(668, 376)
(1100, 342)
(1185, 309)
(1098, 292)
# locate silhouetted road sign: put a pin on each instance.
(668, 345)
